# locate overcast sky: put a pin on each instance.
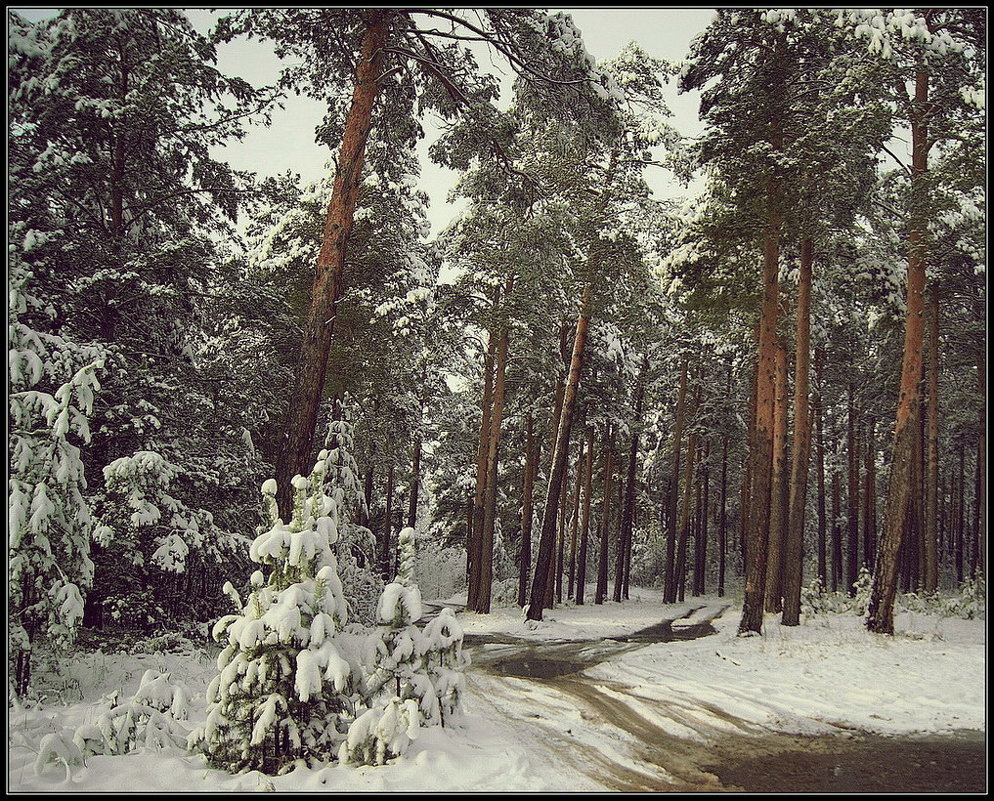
(288, 144)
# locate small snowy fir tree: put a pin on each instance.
(399, 692)
(284, 690)
(445, 661)
(52, 386)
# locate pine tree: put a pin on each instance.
(284, 691)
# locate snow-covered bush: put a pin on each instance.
(284, 691)
(413, 678)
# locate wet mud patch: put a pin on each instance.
(865, 763)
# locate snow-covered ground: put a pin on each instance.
(575, 733)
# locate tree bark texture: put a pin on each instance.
(883, 589)
(669, 586)
(560, 454)
(793, 569)
(852, 496)
(601, 591)
(588, 486)
(295, 457)
(779, 512)
(483, 596)
(761, 457)
(474, 552)
(930, 581)
(527, 511)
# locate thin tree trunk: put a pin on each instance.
(686, 510)
(982, 467)
(836, 531)
(475, 552)
(701, 541)
(560, 454)
(779, 512)
(870, 498)
(575, 520)
(628, 513)
(561, 537)
(960, 516)
(931, 576)
(852, 497)
(295, 457)
(793, 569)
(385, 560)
(881, 608)
(722, 530)
(822, 522)
(412, 508)
(483, 598)
(669, 586)
(601, 591)
(527, 511)
(588, 485)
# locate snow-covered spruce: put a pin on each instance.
(413, 678)
(284, 691)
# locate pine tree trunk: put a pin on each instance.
(483, 597)
(628, 513)
(527, 511)
(601, 592)
(588, 485)
(722, 529)
(779, 512)
(686, 510)
(793, 568)
(820, 472)
(852, 516)
(960, 514)
(881, 608)
(761, 455)
(870, 498)
(931, 576)
(475, 551)
(701, 540)
(561, 537)
(560, 454)
(982, 467)
(575, 520)
(669, 586)
(412, 509)
(296, 457)
(386, 561)
(836, 531)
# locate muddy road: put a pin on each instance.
(608, 733)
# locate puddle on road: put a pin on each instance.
(954, 763)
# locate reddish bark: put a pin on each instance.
(312, 366)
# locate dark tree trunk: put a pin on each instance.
(527, 510)
(588, 485)
(295, 457)
(779, 512)
(930, 581)
(836, 531)
(870, 498)
(982, 467)
(483, 597)
(475, 551)
(601, 591)
(852, 516)
(386, 561)
(669, 586)
(701, 541)
(687, 508)
(560, 454)
(722, 530)
(575, 520)
(793, 570)
(412, 508)
(628, 513)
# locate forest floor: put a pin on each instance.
(583, 702)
